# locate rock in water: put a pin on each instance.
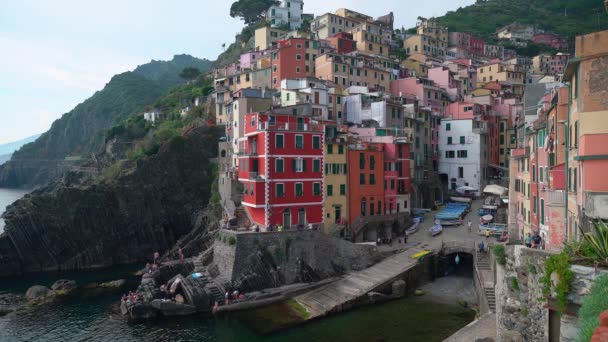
(146, 207)
(10, 302)
(37, 292)
(64, 285)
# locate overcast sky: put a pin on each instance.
(55, 54)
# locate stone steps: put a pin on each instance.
(491, 297)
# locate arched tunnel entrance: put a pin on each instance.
(454, 279)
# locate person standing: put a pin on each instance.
(470, 225)
(529, 241)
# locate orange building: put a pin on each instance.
(365, 181)
(293, 59)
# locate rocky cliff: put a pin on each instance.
(146, 206)
(81, 132)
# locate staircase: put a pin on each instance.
(483, 264)
(491, 297)
(217, 293)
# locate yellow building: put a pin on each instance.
(432, 28)
(425, 44)
(512, 73)
(348, 71)
(335, 108)
(265, 36)
(370, 43)
(336, 186)
(415, 68)
(329, 24)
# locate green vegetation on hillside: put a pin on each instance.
(564, 17)
(82, 130)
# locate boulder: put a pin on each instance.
(38, 292)
(115, 284)
(10, 302)
(64, 285)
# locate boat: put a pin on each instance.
(461, 199)
(484, 212)
(420, 254)
(494, 228)
(445, 222)
(436, 230)
(486, 219)
(414, 227)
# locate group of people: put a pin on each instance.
(232, 296)
(534, 241)
(130, 298)
(389, 240)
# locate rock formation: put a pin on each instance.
(147, 207)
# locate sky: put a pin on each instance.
(56, 54)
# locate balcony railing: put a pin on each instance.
(264, 126)
(254, 175)
(555, 197)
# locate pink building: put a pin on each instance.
(249, 59)
(551, 39)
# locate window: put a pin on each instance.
(448, 127)
(299, 165)
(330, 190)
(462, 141)
(299, 141)
(372, 179)
(316, 141)
(460, 172)
(372, 163)
(392, 184)
(462, 154)
(449, 154)
(502, 139)
(342, 189)
(280, 165)
(534, 174)
(361, 179)
(279, 141)
(542, 211)
(541, 172)
(299, 190)
(575, 180)
(297, 70)
(316, 189)
(534, 204)
(280, 190)
(361, 161)
(316, 165)
(340, 149)
(330, 149)
(449, 140)
(299, 57)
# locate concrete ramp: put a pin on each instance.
(343, 293)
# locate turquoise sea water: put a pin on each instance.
(92, 319)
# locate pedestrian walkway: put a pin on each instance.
(335, 296)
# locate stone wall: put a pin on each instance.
(523, 314)
(269, 259)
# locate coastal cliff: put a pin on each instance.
(146, 206)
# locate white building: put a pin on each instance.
(289, 11)
(463, 153)
(306, 90)
(152, 116)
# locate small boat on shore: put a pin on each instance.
(436, 230)
(414, 227)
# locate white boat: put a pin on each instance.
(414, 227)
(461, 199)
(436, 230)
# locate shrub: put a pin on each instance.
(232, 240)
(499, 252)
(560, 264)
(514, 284)
(593, 304)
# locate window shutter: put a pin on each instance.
(303, 165)
(293, 163)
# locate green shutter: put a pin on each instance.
(303, 165)
(343, 189)
(293, 163)
(461, 140)
(330, 190)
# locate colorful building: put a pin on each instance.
(293, 59)
(282, 170)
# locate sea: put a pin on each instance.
(94, 317)
(7, 197)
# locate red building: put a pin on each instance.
(551, 39)
(282, 169)
(343, 42)
(397, 181)
(477, 46)
(293, 59)
(365, 180)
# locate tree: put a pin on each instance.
(224, 46)
(190, 74)
(251, 11)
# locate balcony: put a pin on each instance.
(254, 175)
(555, 197)
(300, 127)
